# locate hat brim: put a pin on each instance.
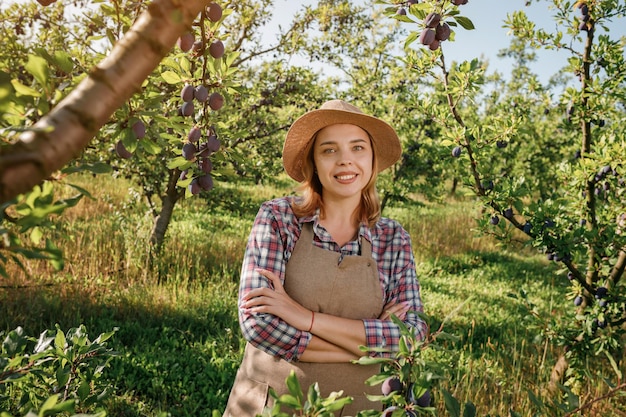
(385, 139)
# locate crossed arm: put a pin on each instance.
(335, 339)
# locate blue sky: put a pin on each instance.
(489, 36)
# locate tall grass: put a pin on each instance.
(178, 333)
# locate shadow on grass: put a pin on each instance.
(500, 290)
(176, 358)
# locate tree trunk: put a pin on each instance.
(64, 133)
(556, 377)
(162, 221)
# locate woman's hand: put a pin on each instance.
(276, 301)
(399, 309)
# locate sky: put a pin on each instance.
(486, 39)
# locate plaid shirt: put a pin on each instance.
(272, 240)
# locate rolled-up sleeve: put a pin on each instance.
(266, 250)
(400, 284)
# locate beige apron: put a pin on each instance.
(316, 280)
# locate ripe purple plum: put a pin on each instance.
(187, 109)
(216, 101)
(601, 292)
(201, 93)
(139, 129)
(213, 144)
(121, 150)
(206, 165)
(205, 182)
(432, 20)
(198, 46)
(194, 134)
(189, 151)
(442, 32)
(390, 385)
(578, 300)
(187, 93)
(194, 188)
(186, 41)
(456, 152)
(203, 150)
(494, 220)
(427, 36)
(216, 49)
(214, 12)
(434, 45)
(424, 400)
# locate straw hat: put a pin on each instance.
(386, 142)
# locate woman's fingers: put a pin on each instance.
(399, 310)
(273, 279)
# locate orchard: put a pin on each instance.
(183, 101)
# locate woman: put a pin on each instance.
(323, 273)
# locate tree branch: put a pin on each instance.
(66, 131)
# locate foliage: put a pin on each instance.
(178, 341)
(314, 405)
(32, 80)
(559, 184)
(55, 372)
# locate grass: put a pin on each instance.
(178, 336)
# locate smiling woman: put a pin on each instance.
(323, 273)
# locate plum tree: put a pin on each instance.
(585, 205)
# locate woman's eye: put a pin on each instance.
(328, 150)
(358, 148)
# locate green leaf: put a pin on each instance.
(95, 168)
(38, 68)
(452, 404)
(464, 22)
(290, 401)
(62, 375)
(59, 340)
(150, 146)
(83, 390)
(6, 91)
(535, 400)
(171, 77)
(410, 39)
(614, 365)
(293, 385)
(35, 235)
(64, 61)
(179, 162)
(23, 90)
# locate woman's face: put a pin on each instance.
(343, 158)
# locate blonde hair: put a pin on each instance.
(310, 190)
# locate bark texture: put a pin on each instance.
(65, 132)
